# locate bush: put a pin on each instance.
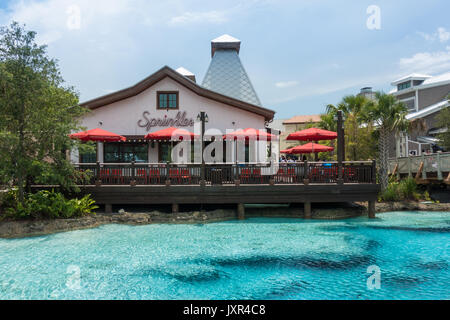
(46, 205)
(404, 190)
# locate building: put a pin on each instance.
(294, 124)
(368, 93)
(173, 98)
(425, 96)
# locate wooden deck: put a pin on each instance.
(306, 183)
(426, 169)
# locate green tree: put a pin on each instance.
(37, 113)
(359, 139)
(389, 117)
(444, 122)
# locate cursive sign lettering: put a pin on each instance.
(180, 120)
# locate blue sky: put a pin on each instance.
(300, 55)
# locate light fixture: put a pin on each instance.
(206, 118)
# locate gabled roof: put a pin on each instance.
(191, 85)
(303, 119)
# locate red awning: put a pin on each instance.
(248, 134)
(312, 134)
(171, 134)
(97, 135)
(308, 148)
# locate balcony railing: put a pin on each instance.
(226, 174)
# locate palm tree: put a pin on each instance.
(389, 117)
(352, 107)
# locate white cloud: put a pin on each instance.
(444, 35)
(427, 62)
(286, 84)
(441, 34)
(199, 17)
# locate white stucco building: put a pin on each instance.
(172, 98)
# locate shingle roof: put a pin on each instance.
(303, 119)
(226, 75)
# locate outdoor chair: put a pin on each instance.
(186, 176)
(154, 176)
(245, 175)
(257, 175)
(174, 175)
(141, 176)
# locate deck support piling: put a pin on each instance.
(371, 208)
(241, 211)
(307, 206)
(175, 208)
(108, 208)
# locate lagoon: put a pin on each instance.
(259, 258)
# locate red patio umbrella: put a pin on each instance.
(312, 134)
(97, 135)
(308, 148)
(248, 134)
(170, 134)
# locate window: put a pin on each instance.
(165, 151)
(125, 152)
(404, 85)
(167, 100)
(90, 157)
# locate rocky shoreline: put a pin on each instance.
(18, 229)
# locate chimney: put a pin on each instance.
(186, 73)
(225, 42)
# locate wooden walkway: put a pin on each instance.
(426, 169)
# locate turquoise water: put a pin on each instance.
(254, 259)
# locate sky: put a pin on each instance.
(300, 55)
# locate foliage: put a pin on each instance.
(389, 117)
(46, 205)
(360, 143)
(38, 113)
(406, 189)
(444, 122)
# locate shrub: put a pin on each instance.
(47, 205)
(406, 189)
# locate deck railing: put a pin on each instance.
(223, 174)
(435, 165)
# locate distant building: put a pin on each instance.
(294, 124)
(424, 96)
(368, 93)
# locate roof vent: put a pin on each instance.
(186, 73)
(225, 42)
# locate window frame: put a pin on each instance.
(158, 93)
(121, 145)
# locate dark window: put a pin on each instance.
(165, 151)
(167, 100)
(125, 152)
(88, 157)
(404, 85)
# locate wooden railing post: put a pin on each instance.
(439, 168)
(306, 172)
(98, 182)
(374, 171)
(237, 181)
(168, 174)
(203, 175)
(133, 174)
